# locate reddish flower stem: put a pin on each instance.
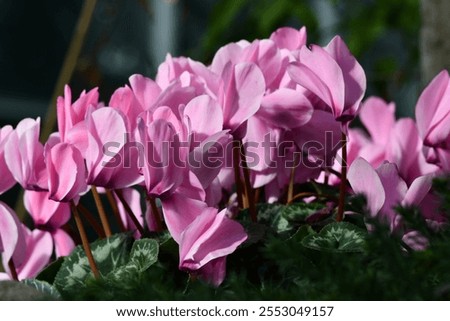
(248, 187)
(12, 269)
(84, 240)
(155, 213)
(115, 209)
(101, 211)
(343, 185)
(290, 194)
(92, 221)
(129, 211)
(237, 174)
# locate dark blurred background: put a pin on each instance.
(133, 36)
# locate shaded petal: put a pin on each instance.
(45, 211)
(289, 38)
(379, 118)
(39, 251)
(66, 172)
(145, 90)
(418, 190)
(365, 180)
(433, 112)
(64, 244)
(210, 236)
(12, 238)
(353, 73)
(205, 115)
(286, 108)
(180, 211)
(318, 72)
(240, 93)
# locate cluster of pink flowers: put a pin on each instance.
(275, 101)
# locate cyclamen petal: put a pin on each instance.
(12, 236)
(210, 236)
(66, 172)
(365, 180)
(289, 38)
(321, 74)
(24, 155)
(334, 75)
(433, 112)
(179, 212)
(354, 77)
(7, 180)
(46, 212)
(379, 118)
(39, 248)
(241, 93)
(145, 90)
(286, 108)
(161, 172)
(207, 116)
(64, 244)
(69, 114)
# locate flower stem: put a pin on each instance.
(248, 187)
(84, 240)
(290, 194)
(12, 269)
(155, 213)
(343, 185)
(130, 212)
(101, 211)
(237, 174)
(115, 209)
(90, 218)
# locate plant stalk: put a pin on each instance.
(92, 221)
(237, 174)
(156, 214)
(343, 185)
(290, 194)
(101, 211)
(248, 187)
(115, 209)
(129, 211)
(84, 240)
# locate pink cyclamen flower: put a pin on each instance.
(209, 238)
(24, 155)
(433, 112)
(334, 75)
(384, 189)
(11, 236)
(109, 163)
(7, 180)
(29, 250)
(66, 172)
(70, 114)
(50, 216)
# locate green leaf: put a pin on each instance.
(43, 287)
(284, 218)
(337, 237)
(18, 291)
(144, 253)
(49, 273)
(109, 254)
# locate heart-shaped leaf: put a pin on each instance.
(337, 237)
(109, 254)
